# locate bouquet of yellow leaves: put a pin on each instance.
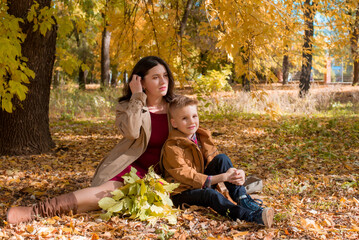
(146, 199)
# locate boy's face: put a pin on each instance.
(186, 120)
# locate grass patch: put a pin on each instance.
(68, 103)
(321, 101)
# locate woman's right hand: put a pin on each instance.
(135, 84)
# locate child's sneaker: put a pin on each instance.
(247, 202)
(264, 217)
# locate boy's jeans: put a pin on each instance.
(209, 197)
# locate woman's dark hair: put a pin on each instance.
(141, 69)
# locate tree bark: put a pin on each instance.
(354, 46)
(307, 55)
(26, 130)
(105, 57)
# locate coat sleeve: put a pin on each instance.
(175, 165)
(129, 115)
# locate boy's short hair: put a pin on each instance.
(180, 101)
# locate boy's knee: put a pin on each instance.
(224, 159)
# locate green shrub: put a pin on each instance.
(214, 81)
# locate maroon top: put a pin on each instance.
(151, 156)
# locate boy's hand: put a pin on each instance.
(235, 176)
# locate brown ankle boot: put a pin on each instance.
(56, 206)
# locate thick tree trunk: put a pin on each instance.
(26, 130)
(354, 46)
(105, 57)
(285, 66)
(307, 55)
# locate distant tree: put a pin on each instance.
(105, 48)
(285, 66)
(26, 129)
(248, 32)
(309, 10)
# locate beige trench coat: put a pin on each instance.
(134, 122)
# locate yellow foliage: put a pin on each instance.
(14, 73)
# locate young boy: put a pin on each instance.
(190, 157)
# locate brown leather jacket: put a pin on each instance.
(182, 160)
(134, 122)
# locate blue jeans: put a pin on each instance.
(209, 197)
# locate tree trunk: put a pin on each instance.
(26, 130)
(354, 46)
(114, 76)
(203, 58)
(185, 17)
(105, 57)
(82, 55)
(246, 84)
(307, 56)
(82, 78)
(285, 66)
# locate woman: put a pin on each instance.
(141, 116)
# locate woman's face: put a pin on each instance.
(155, 83)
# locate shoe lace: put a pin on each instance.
(256, 200)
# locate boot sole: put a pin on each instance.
(267, 216)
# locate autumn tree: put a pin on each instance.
(342, 26)
(105, 46)
(24, 125)
(141, 28)
(288, 35)
(309, 10)
(248, 32)
(77, 23)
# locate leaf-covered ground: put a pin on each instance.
(310, 168)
